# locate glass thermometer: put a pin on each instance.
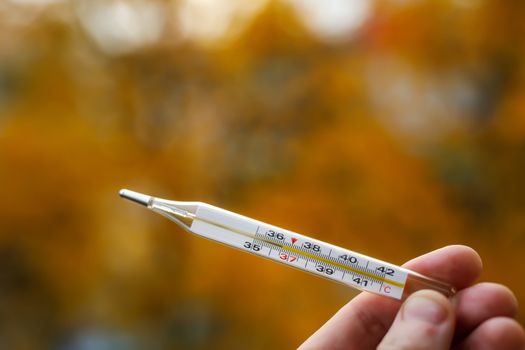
(292, 249)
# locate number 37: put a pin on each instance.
(286, 257)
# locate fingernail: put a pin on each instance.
(425, 307)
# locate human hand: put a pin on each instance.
(479, 316)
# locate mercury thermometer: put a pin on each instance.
(292, 249)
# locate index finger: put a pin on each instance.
(457, 265)
(362, 323)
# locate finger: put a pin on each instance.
(461, 268)
(362, 323)
(478, 303)
(425, 321)
(497, 333)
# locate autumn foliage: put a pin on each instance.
(403, 135)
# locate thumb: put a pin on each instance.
(425, 321)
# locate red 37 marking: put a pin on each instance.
(286, 257)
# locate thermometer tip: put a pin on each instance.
(135, 197)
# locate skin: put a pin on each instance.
(479, 316)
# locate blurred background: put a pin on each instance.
(389, 127)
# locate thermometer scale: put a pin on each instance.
(292, 249)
